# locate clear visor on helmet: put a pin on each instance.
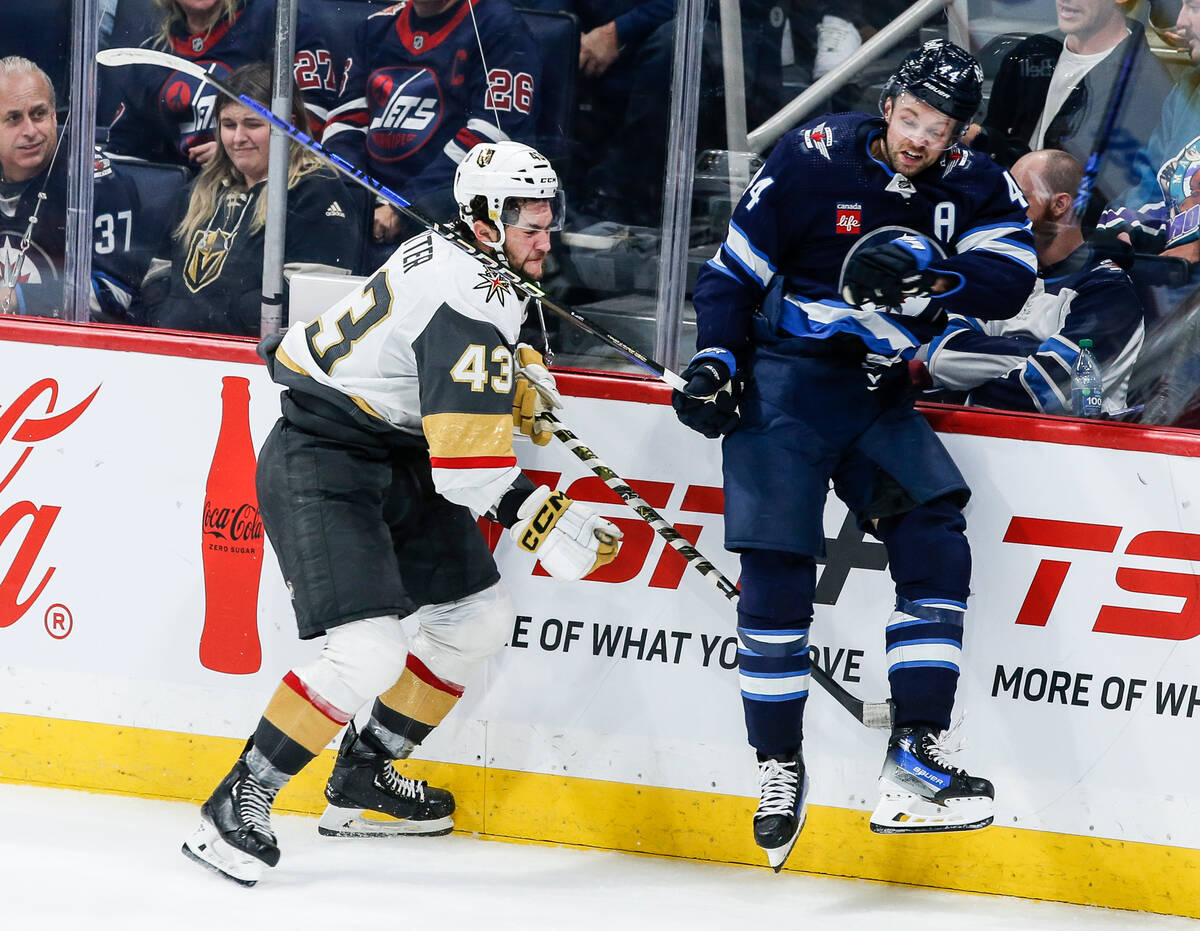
(922, 124)
(535, 214)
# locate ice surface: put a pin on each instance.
(72, 859)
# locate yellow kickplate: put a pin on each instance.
(540, 808)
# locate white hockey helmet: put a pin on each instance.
(505, 174)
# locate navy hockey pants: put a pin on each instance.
(808, 421)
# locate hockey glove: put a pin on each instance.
(707, 404)
(571, 540)
(536, 393)
(886, 275)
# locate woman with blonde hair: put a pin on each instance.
(216, 246)
(168, 116)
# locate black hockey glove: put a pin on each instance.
(885, 275)
(707, 404)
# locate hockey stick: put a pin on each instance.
(871, 714)
(867, 713)
(116, 57)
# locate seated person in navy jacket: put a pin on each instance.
(213, 281)
(1025, 362)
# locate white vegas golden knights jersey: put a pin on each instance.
(425, 347)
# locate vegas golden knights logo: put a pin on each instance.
(206, 257)
(484, 157)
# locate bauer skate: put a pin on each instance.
(368, 798)
(782, 806)
(920, 792)
(235, 837)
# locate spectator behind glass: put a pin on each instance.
(1160, 212)
(1024, 363)
(621, 130)
(214, 279)
(1055, 91)
(167, 116)
(415, 98)
(31, 280)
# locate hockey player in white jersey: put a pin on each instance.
(397, 423)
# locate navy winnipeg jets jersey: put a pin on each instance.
(821, 197)
(164, 113)
(416, 98)
(117, 263)
(1025, 362)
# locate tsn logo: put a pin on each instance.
(1050, 575)
(639, 537)
(850, 550)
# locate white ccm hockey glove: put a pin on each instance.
(570, 539)
(536, 393)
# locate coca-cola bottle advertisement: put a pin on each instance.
(232, 542)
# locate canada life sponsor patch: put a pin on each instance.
(849, 219)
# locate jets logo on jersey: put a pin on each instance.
(819, 138)
(955, 158)
(494, 284)
(849, 219)
(35, 267)
(193, 102)
(407, 107)
(886, 234)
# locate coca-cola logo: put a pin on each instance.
(233, 524)
(26, 422)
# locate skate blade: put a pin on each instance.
(906, 813)
(356, 822)
(777, 856)
(210, 850)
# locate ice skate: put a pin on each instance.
(368, 798)
(235, 837)
(920, 792)
(782, 806)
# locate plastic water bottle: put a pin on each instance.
(1087, 387)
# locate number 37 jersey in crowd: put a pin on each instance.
(421, 353)
(821, 197)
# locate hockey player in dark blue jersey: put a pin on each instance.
(416, 96)
(171, 120)
(846, 252)
(1025, 362)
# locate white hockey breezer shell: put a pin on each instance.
(352, 822)
(209, 849)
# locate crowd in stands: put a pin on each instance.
(1098, 119)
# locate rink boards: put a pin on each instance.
(612, 717)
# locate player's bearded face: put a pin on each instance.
(917, 134)
(527, 244)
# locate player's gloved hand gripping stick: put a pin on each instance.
(873, 714)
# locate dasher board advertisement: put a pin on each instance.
(120, 471)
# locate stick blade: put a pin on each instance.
(115, 57)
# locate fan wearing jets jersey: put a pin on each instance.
(399, 409)
(428, 80)
(850, 245)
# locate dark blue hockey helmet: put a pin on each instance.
(941, 74)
